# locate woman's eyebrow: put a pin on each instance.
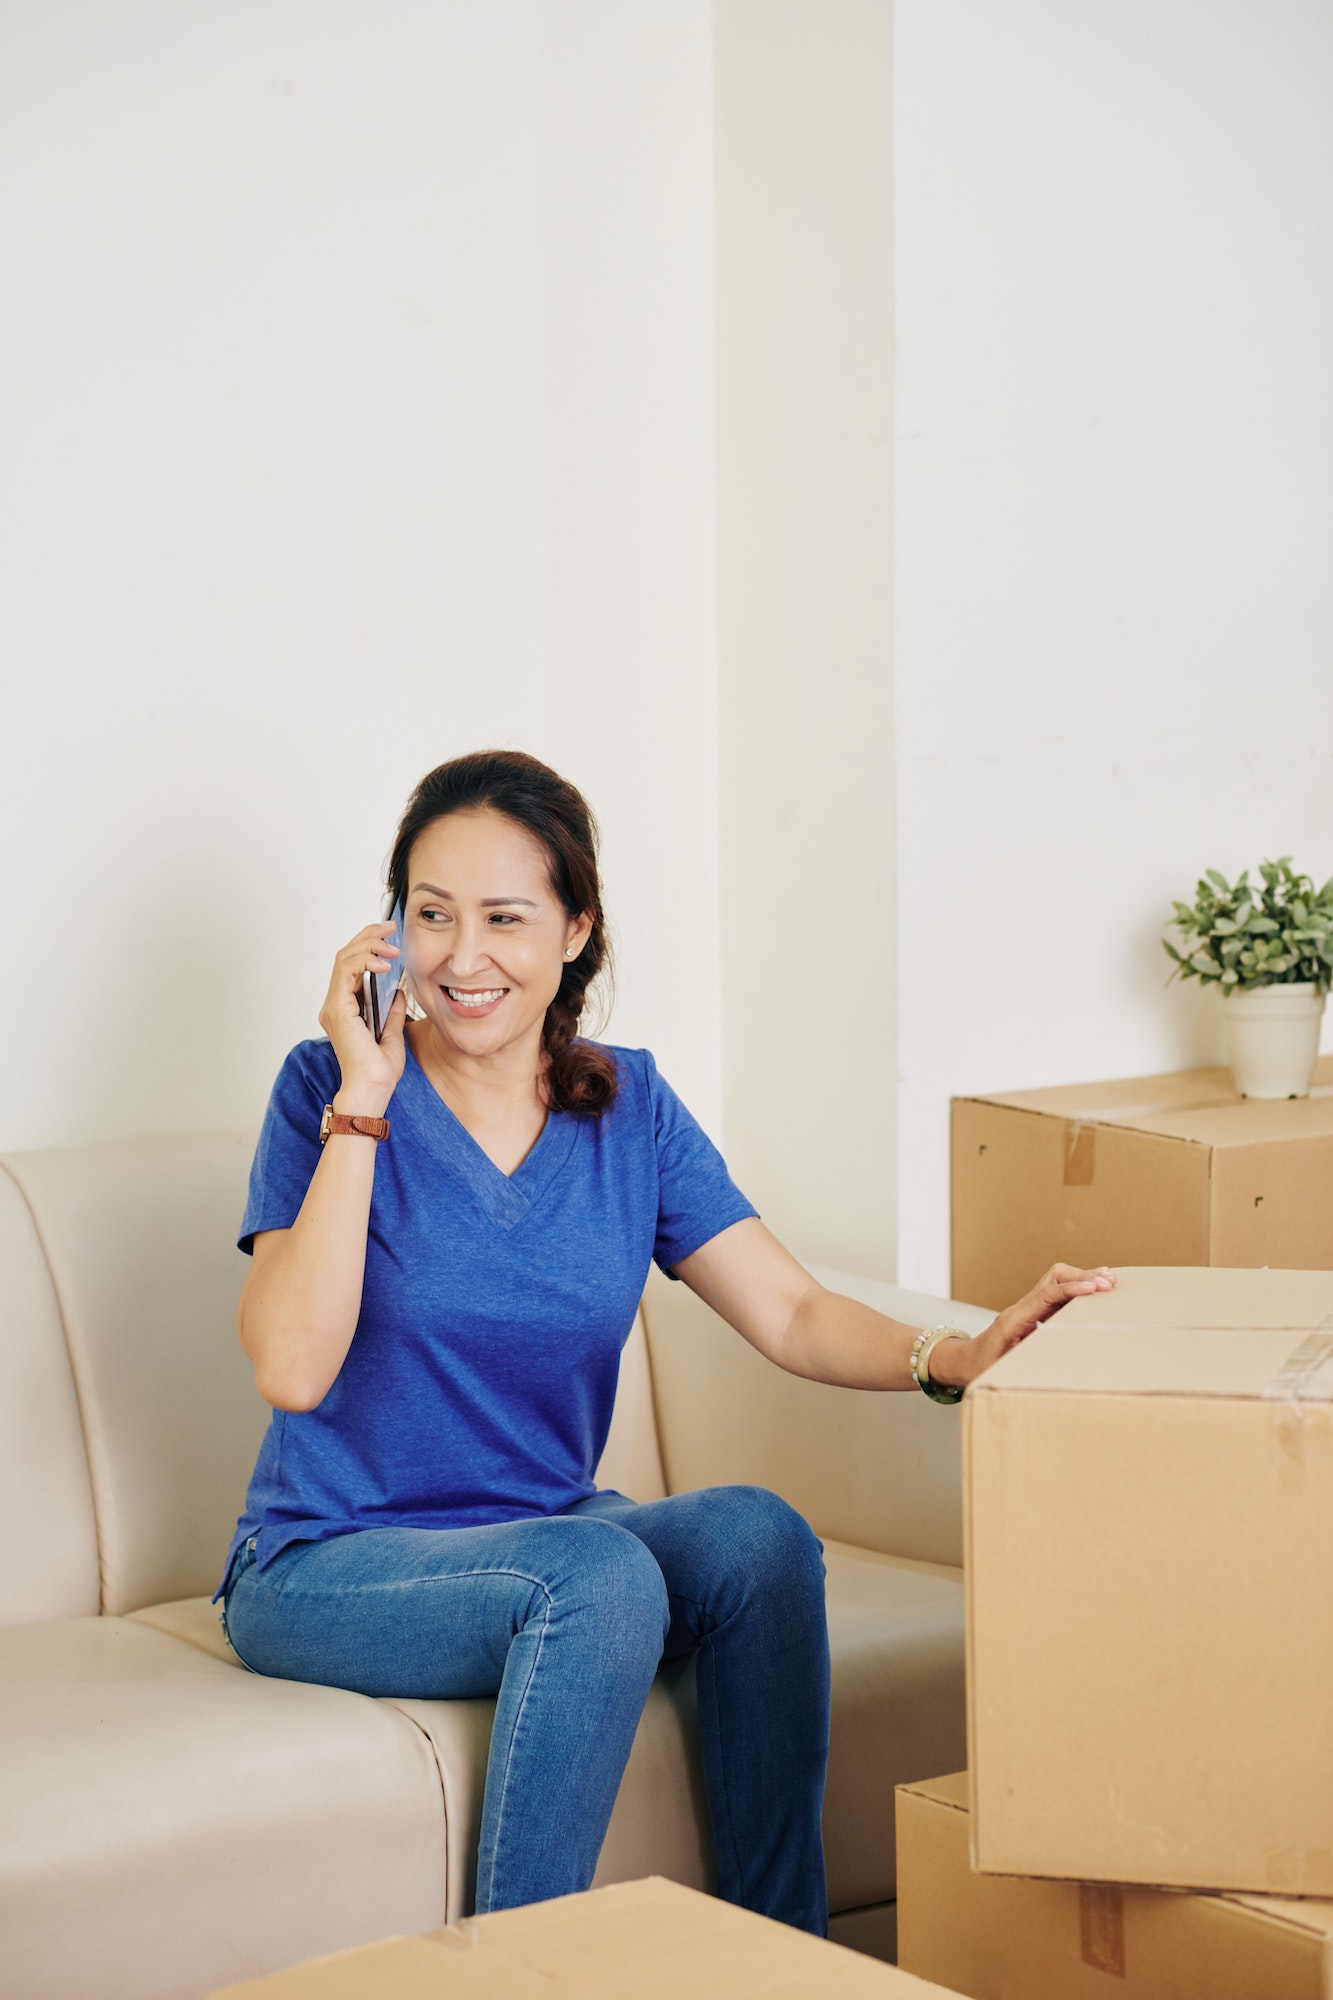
(488, 902)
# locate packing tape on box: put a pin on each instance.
(1101, 1926)
(1305, 1376)
(1080, 1153)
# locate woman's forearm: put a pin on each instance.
(758, 1287)
(302, 1300)
(835, 1339)
(750, 1280)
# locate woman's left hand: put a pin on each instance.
(955, 1363)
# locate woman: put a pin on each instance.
(436, 1309)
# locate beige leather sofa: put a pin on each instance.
(169, 1822)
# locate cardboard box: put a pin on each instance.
(1146, 1170)
(649, 1940)
(1148, 1523)
(997, 1938)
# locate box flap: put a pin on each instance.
(1243, 1122)
(1188, 1331)
(1124, 1097)
(1306, 1913)
(950, 1791)
(1155, 1361)
(1188, 1295)
(1202, 1105)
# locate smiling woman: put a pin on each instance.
(436, 1310)
(540, 830)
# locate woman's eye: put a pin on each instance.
(503, 917)
(433, 916)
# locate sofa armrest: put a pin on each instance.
(878, 1470)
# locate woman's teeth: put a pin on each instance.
(465, 999)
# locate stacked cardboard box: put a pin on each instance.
(1144, 1170)
(1149, 1521)
(999, 1938)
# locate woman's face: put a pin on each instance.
(484, 934)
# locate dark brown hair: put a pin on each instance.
(580, 1076)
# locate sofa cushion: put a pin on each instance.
(660, 1816)
(877, 1471)
(49, 1568)
(140, 1242)
(896, 1641)
(150, 1792)
(899, 1706)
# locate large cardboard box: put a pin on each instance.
(1148, 1524)
(649, 1940)
(997, 1938)
(1146, 1170)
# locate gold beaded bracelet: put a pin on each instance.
(919, 1362)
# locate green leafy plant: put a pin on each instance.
(1273, 933)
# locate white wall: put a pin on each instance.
(1114, 491)
(804, 277)
(357, 386)
(629, 380)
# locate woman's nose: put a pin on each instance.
(467, 948)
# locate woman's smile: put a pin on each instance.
(473, 1002)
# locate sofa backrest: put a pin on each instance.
(128, 1432)
(49, 1564)
(883, 1471)
(140, 1242)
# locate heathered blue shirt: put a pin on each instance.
(481, 1377)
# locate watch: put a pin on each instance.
(335, 1122)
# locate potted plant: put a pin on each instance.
(1269, 946)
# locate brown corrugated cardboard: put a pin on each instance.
(1149, 1548)
(1143, 1170)
(998, 1938)
(649, 1940)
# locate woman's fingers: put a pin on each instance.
(1065, 1281)
(391, 1038)
(1062, 1283)
(341, 1018)
(368, 951)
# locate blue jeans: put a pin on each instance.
(565, 1619)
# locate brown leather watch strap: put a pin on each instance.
(335, 1122)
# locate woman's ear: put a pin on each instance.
(579, 933)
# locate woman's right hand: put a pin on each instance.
(370, 1070)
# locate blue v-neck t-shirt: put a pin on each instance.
(482, 1374)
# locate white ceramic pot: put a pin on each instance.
(1273, 1038)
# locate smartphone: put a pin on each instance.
(378, 988)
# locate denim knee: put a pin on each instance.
(609, 1571)
(770, 1543)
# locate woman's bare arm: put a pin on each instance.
(758, 1287)
(302, 1299)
